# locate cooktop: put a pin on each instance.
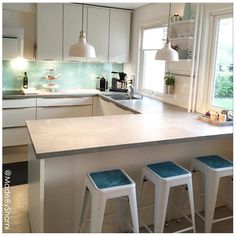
(13, 92)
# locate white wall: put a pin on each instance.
(22, 15)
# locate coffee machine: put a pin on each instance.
(118, 83)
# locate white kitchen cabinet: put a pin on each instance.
(15, 112)
(52, 108)
(12, 42)
(17, 117)
(15, 136)
(119, 36)
(106, 108)
(19, 103)
(98, 32)
(10, 48)
(63, 112)
(49, 31)
(72, 27)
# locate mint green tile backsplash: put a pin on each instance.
(73, 75)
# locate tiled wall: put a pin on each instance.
(73, 75)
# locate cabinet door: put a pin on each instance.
(119, 36)
(10, 48)
(17, 117)
(72, 27)
(108, 108)
(14, 136)
(98, 32)
(47, 102)
(63, 112)
(49, 31)
(15, 103)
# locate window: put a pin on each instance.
(152, 71)
(221, 86)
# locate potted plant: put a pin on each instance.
(169, 82)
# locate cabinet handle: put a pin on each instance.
(16, 108)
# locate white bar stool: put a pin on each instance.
(166, 175)
(213, 167)
(105, 185)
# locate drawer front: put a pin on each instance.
(45, 102)
(17, 117)
(63, 112)
(14, 136)
(15, 103)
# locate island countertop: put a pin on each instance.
(159, 124)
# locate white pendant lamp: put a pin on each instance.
(82, 48)
(167, 53)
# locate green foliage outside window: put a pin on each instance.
(224, 85)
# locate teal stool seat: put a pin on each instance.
(109, 178)
(165, 176)
(109, 184)
(213, 167)
(215, 161)
(167, 169)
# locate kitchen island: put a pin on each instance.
(62, 151)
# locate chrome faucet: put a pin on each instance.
(130, 90)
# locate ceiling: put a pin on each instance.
(122, 5)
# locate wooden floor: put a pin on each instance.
(19, 221)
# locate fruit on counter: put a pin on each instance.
(208, 114)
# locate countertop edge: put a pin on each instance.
(128, 146)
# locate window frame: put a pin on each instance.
(147, 92)
(214, 24)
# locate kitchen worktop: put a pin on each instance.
(158, 123)
(61, 93)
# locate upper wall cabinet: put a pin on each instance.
(98, 32)
(12, 42)
(119, 36)
(108, 30)
(72, 27)
(49, 31)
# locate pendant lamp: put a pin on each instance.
(82, 48)
(167, 53)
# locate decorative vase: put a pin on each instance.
(170, 89)
(187, 11)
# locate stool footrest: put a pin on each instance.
(183, 230)
(221, 219)
(215, 220)
(146, 227)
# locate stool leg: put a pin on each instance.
(134, 210)
(120, 214)
(140, 188)
(211, 190)
(169, 207)
(98, 205)
(191, 202)
(161, 201)
(84, 207)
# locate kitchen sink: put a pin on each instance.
(122, 97)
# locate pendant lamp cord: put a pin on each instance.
(82, 17)
(168, 26)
